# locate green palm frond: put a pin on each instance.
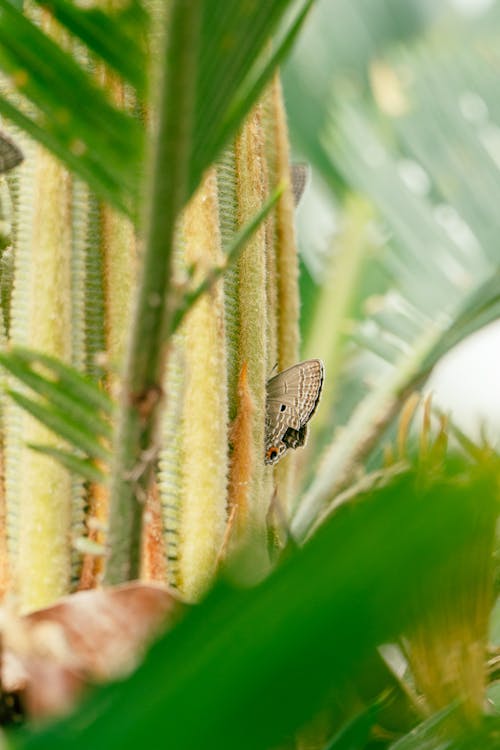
(103, 142)
(107, 34)
(429, 168)
(70, 404)
(329, 625)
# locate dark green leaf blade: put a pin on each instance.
(356, 733)
(71, 106)
(96, 174)
(108, 35)
(232, 72)
(272, 652)
(249, 93)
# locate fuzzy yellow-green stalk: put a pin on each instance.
(240, 474)
(89, 337)
(43, 290)
(120, 272)
(287, 262)
(118, 242)
(202, 516)
(81, 216)
(153, 563)
(169, 458)
(251, 191)
(228, 222)
(4, 556)
(21, 184)
(283, 302)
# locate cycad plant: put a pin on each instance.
(150, 290)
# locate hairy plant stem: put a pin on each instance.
(146, 356)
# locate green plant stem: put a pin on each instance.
(146, 356)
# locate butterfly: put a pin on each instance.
(291, 399)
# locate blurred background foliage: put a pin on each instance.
(377, 633)
(397, 115)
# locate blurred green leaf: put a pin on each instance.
(253, 665)
(74, 118)
(72, 108)
(355, 735)
(336, 47)
(406, 143)
(431, 735)
(428, 734)
(308, 294)
(108, 34)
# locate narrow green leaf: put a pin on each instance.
(428, 735)
(81, 466)
(145, 359)
(75, 109)
(89, 168)
(59, 395)
(107, 35)
(246, 97)
(482, 307)
(356, 733)
(82, 387)
(233, 39)
(58, 422)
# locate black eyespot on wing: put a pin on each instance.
(282, 407)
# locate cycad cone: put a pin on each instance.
(211, 468)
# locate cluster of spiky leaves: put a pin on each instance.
(416, 247)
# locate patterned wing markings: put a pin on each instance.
(292, 398)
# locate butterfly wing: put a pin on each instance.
(295, 438)
(297, 389)
(292, 398)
